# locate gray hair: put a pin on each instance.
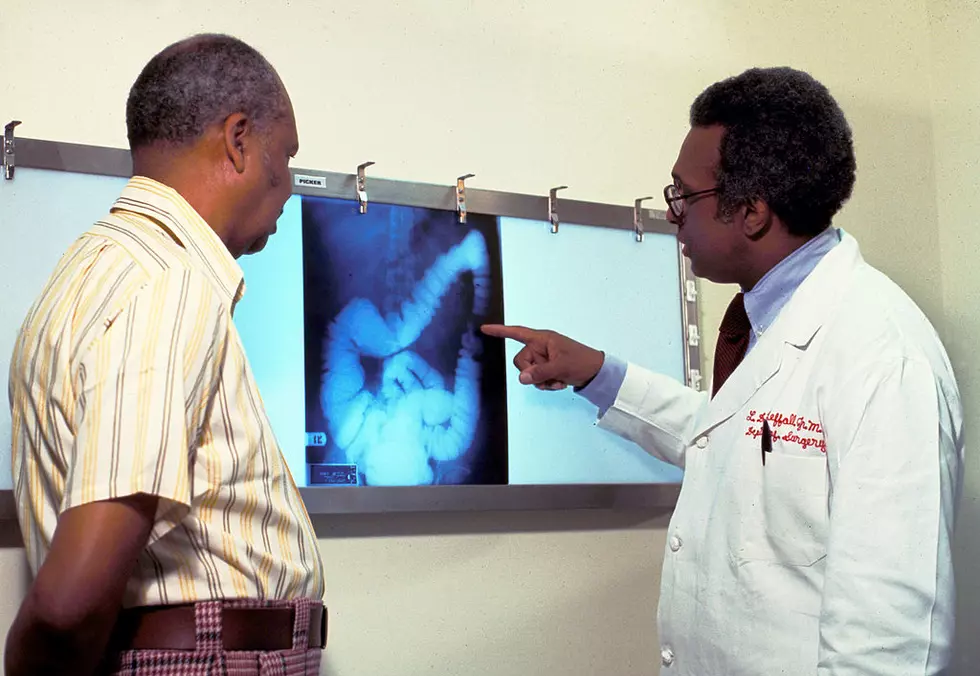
(196, 83)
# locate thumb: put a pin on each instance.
(541, 373)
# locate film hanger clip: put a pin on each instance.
(362, 198)
(690, 290)
(9, 161)
(638, 218)
(461, 196)
(553, 207)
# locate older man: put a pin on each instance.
(812, 532)
(158, 514)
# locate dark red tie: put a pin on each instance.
(733, 340)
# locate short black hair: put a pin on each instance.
(786, 142)
(198, 82)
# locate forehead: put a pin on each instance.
(699, 156)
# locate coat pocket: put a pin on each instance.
(791, 517)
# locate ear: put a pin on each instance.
(757, 220)
(236, 132)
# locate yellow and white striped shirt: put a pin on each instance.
(129, 376)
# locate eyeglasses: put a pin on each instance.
(678, 202)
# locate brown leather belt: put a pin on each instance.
(173, 628)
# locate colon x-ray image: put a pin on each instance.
(402, 389)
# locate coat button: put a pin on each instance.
(666, 657)
(675, 543)
(702, 442)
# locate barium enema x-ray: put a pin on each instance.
(402, 388)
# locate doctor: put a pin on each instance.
(812, 532)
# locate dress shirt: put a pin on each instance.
(128, 376)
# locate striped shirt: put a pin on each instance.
(128, 376)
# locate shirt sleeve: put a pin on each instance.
(605, 386)
(895, 471)
(146, 387)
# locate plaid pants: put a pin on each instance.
(210, 659)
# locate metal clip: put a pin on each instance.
(638, 218)
(362, 198)
(691, 291)
(461, 196)
(694, 379)
(553, 207)
(693, 337)
(9, 161)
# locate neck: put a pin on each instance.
(188, 172)
(769, 255)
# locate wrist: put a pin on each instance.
(595, 365)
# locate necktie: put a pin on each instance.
(733, 340)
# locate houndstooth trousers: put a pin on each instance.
(210, 659)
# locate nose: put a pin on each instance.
(674, 219)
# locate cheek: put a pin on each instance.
(694, 233)
(278, 176)
(282, 183)
(277, 191)
(706, 248)
(283, 193)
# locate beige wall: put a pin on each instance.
(955, 90)
(529, 95)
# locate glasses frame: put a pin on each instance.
(678, 203)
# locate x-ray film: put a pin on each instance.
(404, 289)
(402, 388)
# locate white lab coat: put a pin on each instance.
(833, 558)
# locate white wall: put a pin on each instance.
(526, 95)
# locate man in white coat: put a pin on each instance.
(813, 530)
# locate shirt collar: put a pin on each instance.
(168, 208)
(773, 291)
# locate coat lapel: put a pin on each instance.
(808, 309)
(761, 364)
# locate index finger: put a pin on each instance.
(515, 332)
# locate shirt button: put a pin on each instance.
(666, 657)
(702, 442)
(675, 543)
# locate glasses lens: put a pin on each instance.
(674, 200)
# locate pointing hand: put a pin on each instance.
(550, 360)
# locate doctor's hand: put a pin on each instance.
(549, 360)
